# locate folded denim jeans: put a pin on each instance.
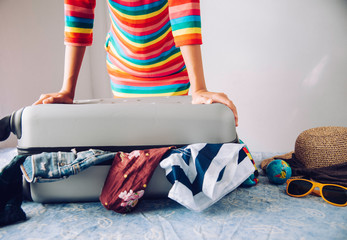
(53, 166)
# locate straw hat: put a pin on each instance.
(322, 147)
(317, 148)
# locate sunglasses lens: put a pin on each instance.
(299, 187)
(335, 194)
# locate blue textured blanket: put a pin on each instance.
(260, 212)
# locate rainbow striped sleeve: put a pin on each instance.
(79, 20)
(185, 21)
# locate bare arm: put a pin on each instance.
(73, 61)
(193, 60)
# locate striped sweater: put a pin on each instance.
(143, 55)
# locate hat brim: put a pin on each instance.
(266, 162)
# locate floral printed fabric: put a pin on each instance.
(130, 199)
(128, 178)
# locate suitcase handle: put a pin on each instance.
(5, 129)
(11, 123)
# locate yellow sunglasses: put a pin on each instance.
(331, 193)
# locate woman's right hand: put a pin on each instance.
(60, 97)
(73, 61)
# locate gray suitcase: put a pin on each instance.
(115, 125)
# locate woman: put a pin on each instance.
(153, 49)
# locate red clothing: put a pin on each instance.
(128, 178)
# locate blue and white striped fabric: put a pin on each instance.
(203, 173)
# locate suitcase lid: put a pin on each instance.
(132, 123)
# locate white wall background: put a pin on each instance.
(283, 62)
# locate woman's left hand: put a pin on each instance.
(206, 97)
